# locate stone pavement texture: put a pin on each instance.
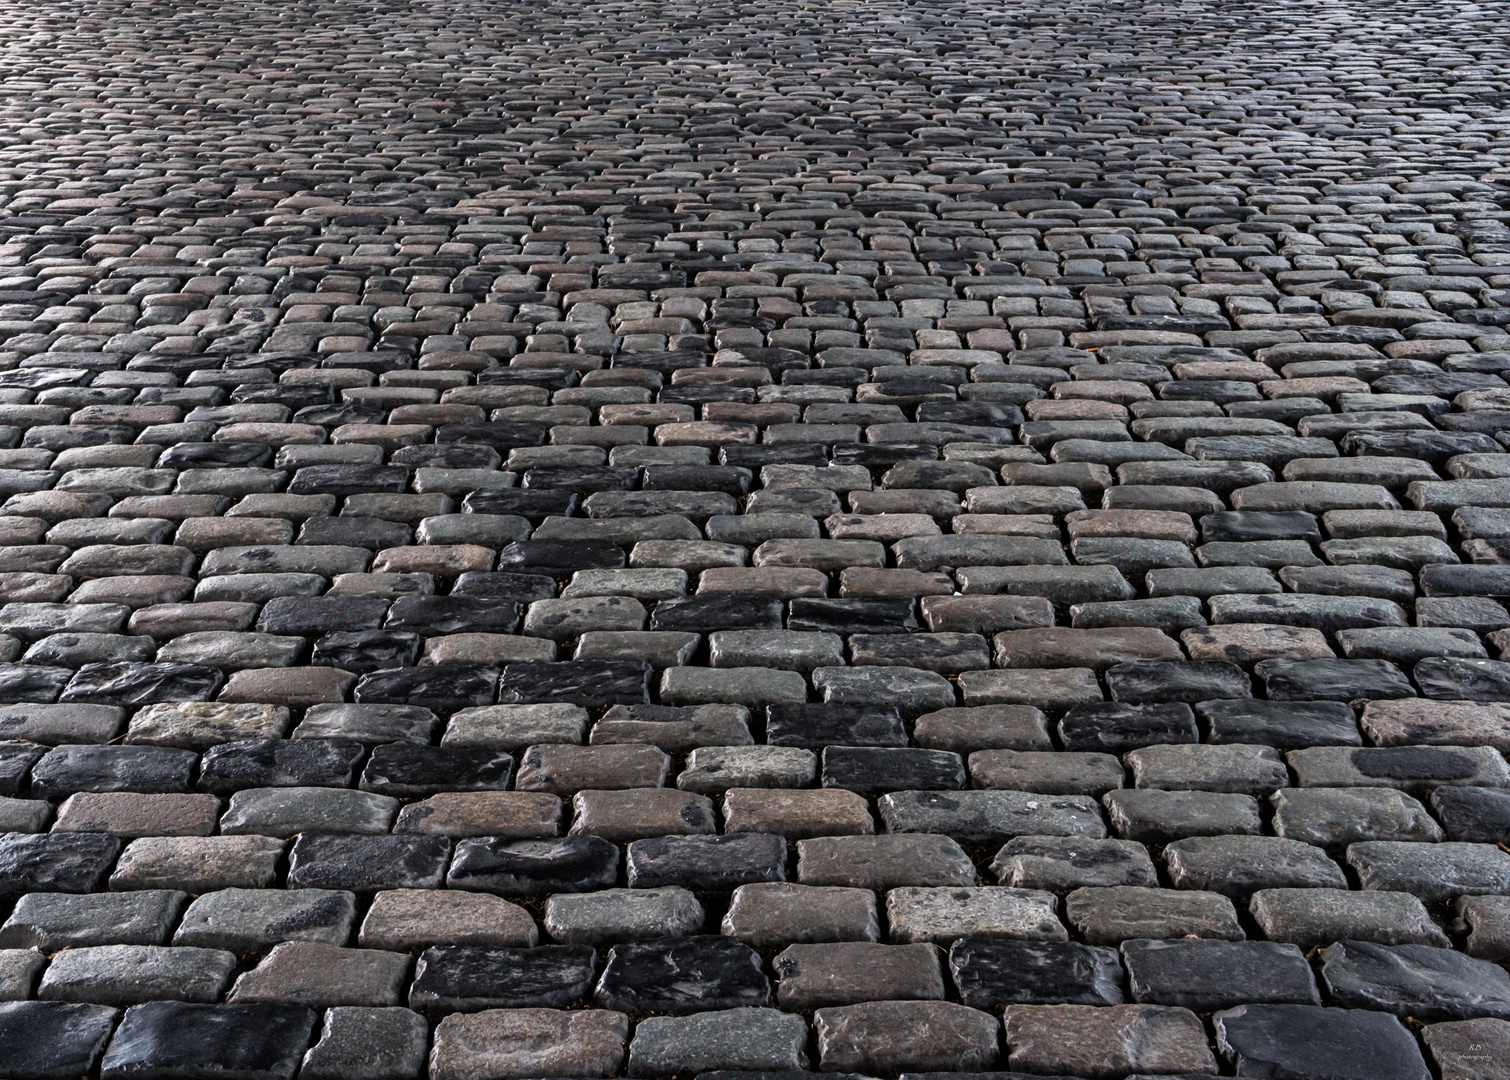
(730, 540)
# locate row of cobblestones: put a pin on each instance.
(729, 541)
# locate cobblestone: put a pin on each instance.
(880, 539)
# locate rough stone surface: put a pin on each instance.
(245, 920)
(1084, 1040)
(1414, 980)
(519, 1043)
(176, 1039)
(367, 1044)
(1469, 1048)
(1310, 917)
(132, 974)
(773, 914)
(1302, 1040)
(1206, 975)
(514, 479)
(319, 975)
(812, 976)
(886, 1037)
(738, 1040)
(52, 1039)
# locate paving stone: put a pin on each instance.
(983, 727)
(986, 817)
(1407, 645)
(247, 920)
(259, 763)
(521, 1043)
(706, 862)
(564, 770)
(1332, 680)
(1046, 772)
(771, 914)
(1144, 682)
(284, 812)
(64, 770)
(198, 864)
(1064, 863)
(883, 862)
(404, 919)
(367, 724)
(1470, 814)
(872, 770)
(1106, 1041)
(1309, 917)
(1111, 915)
(774, 648)
(367, 863)
(1237, 865)
(796, 815)
(445, 687)
(1450, 723)
(58, 862)
(1303, 1040)
(674, 730)
(582, 682)
(1477, 613)
(1414, 980)
(1096, 649)
(1245, 770)
(1249, 638)
(906, 689)
(681, 975)
(19, 969)
(1170, 614)
(515, 727)
(322, 975)
(405, 769)
(749, 686)
(132, 974)
(1207, 975)
(715, 769)
(1054, 689)
(1114, 727)
(1415, 769)
(814, 976)
(55, 921)
(818, 726)
(63, 723)
(127, 814)
(619, 914)
(1430, 871)
(483, 813)
(53, 1039)
(888, 1037)
(1150, 816)
(741, 1040)
(1467, 1048)
(359, 1043)
(531, 867)
(644, 812)
(941, 915)
(24, 815)
(1485, 919)
(989, 972)
(1336, 817)
(471, 978)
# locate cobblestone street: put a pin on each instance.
(709, 541)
